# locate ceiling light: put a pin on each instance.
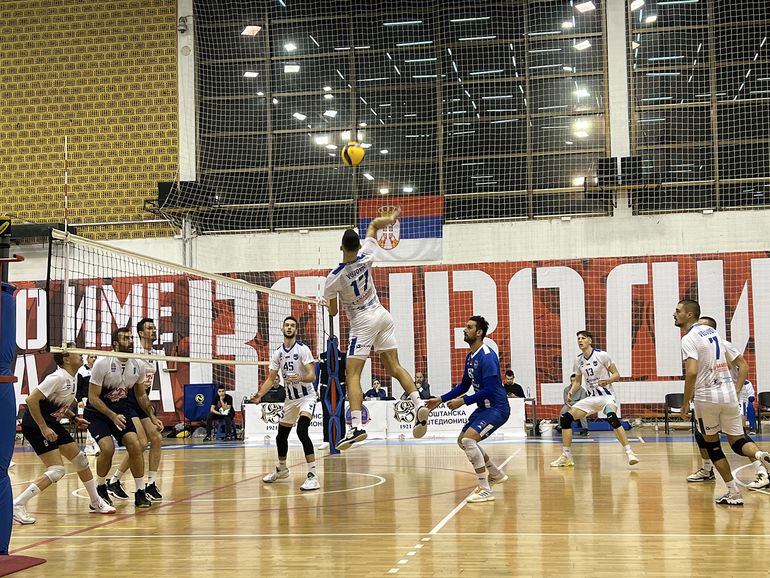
(634, 45)
(568, 68)
(345, 135)
(330, 113)
(327, 88)
(581, 124)
(578, 181)
(384, 151)
(331, 147)
(651, 18)
(567, 24)
(581, 134)
(251, 30)
(362, 124)
(581, 93)
(299, 116)
(322, 140)
(368, 177)
(365, 145)
(275, 101)
(384, 191)
(408, 189)
(636, 4)
(260, 93)
(250, 74)
(403, 23)
(582, 45)
(588, 6)
(328, 96)
(293, 68)
(290, 47)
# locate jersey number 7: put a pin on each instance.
(715, 341)
(365, 278)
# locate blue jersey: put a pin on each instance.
(482, 371)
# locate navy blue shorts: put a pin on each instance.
(136, 411)
(34, 436)
(486, 421)
(101, 426)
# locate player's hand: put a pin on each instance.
(394, 215)
(455, 403)
(49, 434)
(432, 403)
(256, 398)
(685, 412)
(80, 423)
(292, 376)
(120, 421)
(604, 382)
(156, 423)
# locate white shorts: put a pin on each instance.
(715, 417)
(595, 403)
(374, 331)
(292, 408)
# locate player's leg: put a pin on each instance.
(78, 459)
(612, 418)
(576, 412)
(101, 430)
(54, 471)
(353, 368)
(153, 458)
(711, 423)
(130, 440)
(706, 471)
(114, 487)
(743, 445)
(393, 367)
(303, 426)
(481, 424)
(290, 415)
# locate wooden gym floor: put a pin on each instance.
(397, 508)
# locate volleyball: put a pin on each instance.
(352, 154)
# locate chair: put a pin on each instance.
(764, 408)
(672, 405)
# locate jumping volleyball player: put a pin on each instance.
(371, 326)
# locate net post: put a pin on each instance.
(334, 397)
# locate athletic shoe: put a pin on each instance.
(760, 482)
(310, 483)
(278, 474)
(480, 495)
(352, 436)
(91, 450)
(493, 480)
(583, 433)
(11, 465)
(21, 516)
(421, 422)
(563, 462)
(152, 492)
(323, 446)
(632, 459)
(116, 490)
(104, 494)
(765, 457)
(730, 499)
(101, 508)
(207, 439)
(140, 499)
(702, 475)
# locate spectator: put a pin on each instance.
(577, 396)
(222, 408)
(423, 387)
(512, 389)
(377, 391)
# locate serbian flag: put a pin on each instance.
(418, 233)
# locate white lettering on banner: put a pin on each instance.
(402, 309)
(85, 314)
(114, 313)
(521, 314)
(739, 326)
(619, 320)
(437, 331)
(25, 365)
(200, 330)
(711, 292)
(760, 291)
(665, 290)
(484, 290)
(25, 341)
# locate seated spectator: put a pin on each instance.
(577, 396)
(276, 395)
(377, 391)
(423, 387)
(222, 408)
(512, 389)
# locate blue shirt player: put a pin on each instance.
(482, 372)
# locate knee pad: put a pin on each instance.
(80, 462)
(473, 452)
(738, 444)
(613, 419)
(714, 450)
(699, 439)
(54, 473)
(303, 425)
(282, 439)
(566, 421)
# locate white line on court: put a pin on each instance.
(735, 477)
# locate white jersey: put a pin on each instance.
(116, 377)
(732, 353)
(291, 364)
(150, 367)
(59, 391)
(353, 285)
(714, 382)
(84, 371)
(595, 367)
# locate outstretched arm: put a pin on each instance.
(382, 222)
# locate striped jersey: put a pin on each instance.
(714, 382)
(59, 391)
(352, 283)
(290, 363)
(594, 368)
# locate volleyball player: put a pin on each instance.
(146, 429)
(740, 371)
(595, 372)
(482, 371)
(351, 287)
(110, 415)
(47, 404)
(294, 360)
(710, 383)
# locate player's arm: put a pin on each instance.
(614, 375)
(382, 222)
(329, 299)
(690, 373)
(456, 391)
(94, 393)
(331, 306)
(308, 375)
(266, 386)
(735, 359)
(33, 407)
(143, 401)
(489, 382)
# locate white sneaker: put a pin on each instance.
(632, 459)
(12, 464)
(21, 516)
(277, 474)
(324, 446)
(563, 462)
(91, 450)
(494, 480)
(421, 422)
(480, 495)
(765, 457)
(101, 507)
(730, 499)
(760, 482)
(310, 483)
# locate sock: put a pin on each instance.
(355, 419)
(758, 466)
(100, 480)
(627, 447)
(416, 399)
(492, 468)
(151, 477)
(708, 465)
(732, 487)
(484, 480)
(139, 484)
(31, 491)
(282, 464)
(566, 451)
(116, 476)
(91, 489)
(311, 468)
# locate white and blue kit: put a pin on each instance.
(300, 396)
(482, 372)
(594, 368)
